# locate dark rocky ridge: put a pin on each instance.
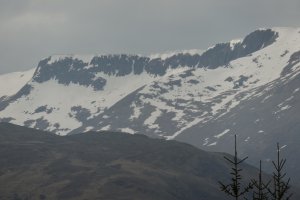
(69, 70)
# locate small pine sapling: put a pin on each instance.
(234, 189)
(260, 191)
(280, 190)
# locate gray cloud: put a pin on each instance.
(32, 29)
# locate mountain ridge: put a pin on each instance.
(95, 74)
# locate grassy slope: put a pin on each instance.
(114, 166)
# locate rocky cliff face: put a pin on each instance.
(74, 70)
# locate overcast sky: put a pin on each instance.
(34, 29)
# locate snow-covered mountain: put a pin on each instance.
(248, 87)
(69, 93)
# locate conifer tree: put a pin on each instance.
(280, 190)
(234, 189)
(260, 188)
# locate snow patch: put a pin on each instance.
(284, 146)
(285, 107)
(150, 121)
(247, 139)
(266, 98)
(106, 128)
(187, 126)
(235, 42)
(136, 112)
(256, 121)
(296, 90)
(261, 131)
(128, 130)
(11, 83)
(222, 134)
(206, 141)
(169, 54)
(212, 144)
(83, 58)
(89, 128)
